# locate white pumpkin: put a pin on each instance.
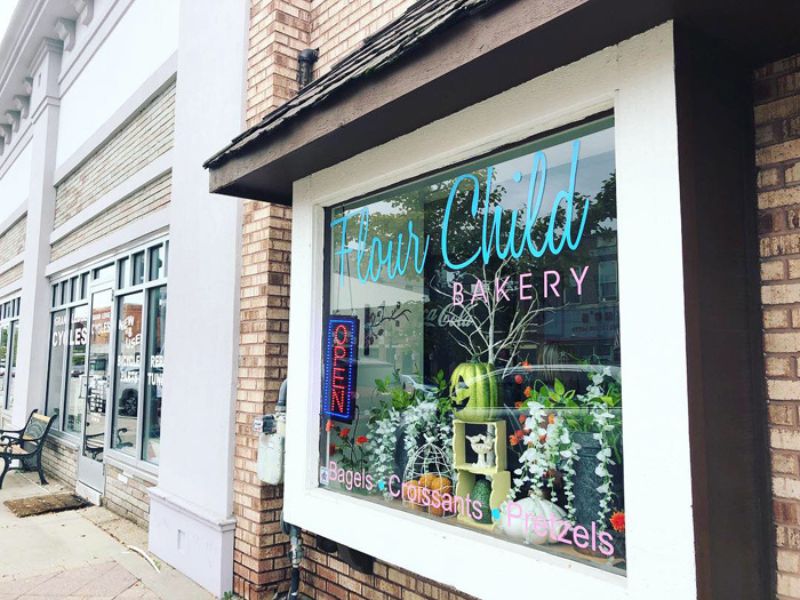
(532, 520)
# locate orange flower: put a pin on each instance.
(525, 363)
(517, 404)
(344, 432)
(551, 418)
(618, 521)
(528, 391)
(512, 439)
(329, 425)
(362, 439)
(518, 379)
(522, 419)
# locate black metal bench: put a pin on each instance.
(25, 445)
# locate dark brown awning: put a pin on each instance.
(444, 55)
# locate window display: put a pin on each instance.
(128, 366)
(103, 321)
(471, 348)
(156, 326)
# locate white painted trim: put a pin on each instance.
(19, 142)
(152, 87)
(151, 225)
(12, 262)
(12, 219)
(146, 175)
(82, 56)
(198, 513)
(636, 78)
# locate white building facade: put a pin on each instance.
(108, 108)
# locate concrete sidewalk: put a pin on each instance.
(78, 554)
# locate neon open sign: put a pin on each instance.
(341, 360)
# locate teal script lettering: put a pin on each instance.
(492, 217)
(392, 256)
(388, 255)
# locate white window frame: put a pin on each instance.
(636, 80)
(9, 317)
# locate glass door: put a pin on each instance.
(98, 385)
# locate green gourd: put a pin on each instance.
(473, 391)
(481, 492)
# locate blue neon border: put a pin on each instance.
(352, 364)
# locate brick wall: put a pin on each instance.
(777, 116)
(12, 241)
(339, 26)
(11, 275)
(60, 461)
(278, 31)
(144, 138)
(259, 548)
(146, 200)
(126, 495)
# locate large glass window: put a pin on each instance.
(99, 381)
(12, 363)
(9, 332)
(55, 376)
(471, 348)
(156, 326)
(128, 372)
(107, 354)
(76, 368)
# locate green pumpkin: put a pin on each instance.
(481, 494)
(473, 392)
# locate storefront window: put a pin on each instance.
(99, 382)
(12, 363)
(156, 325)
(128, 369)
(471, 348)
(55, 375)
(76, 368)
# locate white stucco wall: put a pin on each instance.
(15, 183)
(142, 41)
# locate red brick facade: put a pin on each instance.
(777, 116)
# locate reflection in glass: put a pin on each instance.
(98, 380)
(138, 268)
(76, 368)
(55, 375)
(4, 337)
(488, 391)
(158, 263)
(128, 368)
(12, 363)
(156, 324)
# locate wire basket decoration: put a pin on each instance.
(428, 481)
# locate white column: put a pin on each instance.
(32, 351)
(191, 522)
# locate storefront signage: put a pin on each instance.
(341, 360)
(376, 257)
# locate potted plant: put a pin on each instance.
(580, 437)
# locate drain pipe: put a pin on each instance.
(295, 534)
(305, 66)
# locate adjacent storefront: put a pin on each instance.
(106, 360)
(511, 339)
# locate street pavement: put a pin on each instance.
(81, 554)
